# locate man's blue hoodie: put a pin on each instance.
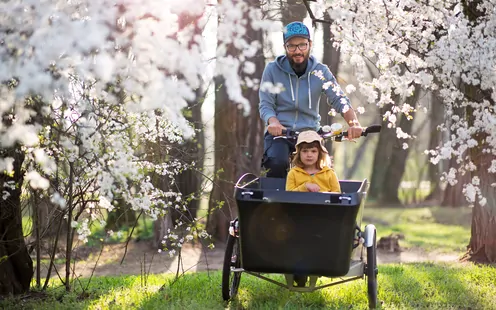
(297, 105)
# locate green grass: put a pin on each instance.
(435, 228)
(408, 286)
(142, 231)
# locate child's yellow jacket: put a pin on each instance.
(326, 179)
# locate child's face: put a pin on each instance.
(309, 156)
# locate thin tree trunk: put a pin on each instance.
(121, 216)
(16, 266)
(453, 194)
(189, 181)
(70, 230)
(435, 139)
(292, 10)
(331, 58)
(397, 163)
(394, 173)
(357, 160)
(382, 158)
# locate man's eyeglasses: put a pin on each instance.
(292, 47)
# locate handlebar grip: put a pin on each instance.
(370, 129)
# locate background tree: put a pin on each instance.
(190, 152)
(238, 137)
(331, 57)
(16, 266)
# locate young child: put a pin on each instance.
(311, 172)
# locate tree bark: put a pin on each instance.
(389, 191)
(292, 10)
(121, 216)
(392, 179)
(453, 194)
(382, 158)
(16, 266)
(48, 217)
(331, 58)
(435, 139)
(238, 141)
(482, 245)
(189, 181)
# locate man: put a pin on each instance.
(296, 107)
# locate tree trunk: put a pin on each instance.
(292, 11)
(453, 194)
(16, 266)
(389, 191)
(482, 245)
(122, 216)
(382, 158)
(435, 139)
(189, 181)
(238, 141)
(331, 58)
(397, 162)
(49, 216)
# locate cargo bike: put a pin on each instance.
(301, 235)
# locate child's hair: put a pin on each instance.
(322, 160)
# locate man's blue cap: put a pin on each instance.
(295, 29)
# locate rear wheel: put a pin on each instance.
(232, 259)
(372, 273)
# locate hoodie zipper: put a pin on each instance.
(296, 102)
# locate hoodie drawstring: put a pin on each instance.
(309, 93)
(291, 83)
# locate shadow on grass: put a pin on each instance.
(200, 291)
(406, 286)
(409, 286)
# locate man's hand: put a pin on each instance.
(354, 132)
(312, 187)
(275, 128)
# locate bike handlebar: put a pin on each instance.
(370, 129)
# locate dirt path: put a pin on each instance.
(141, 256)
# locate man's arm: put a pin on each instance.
(267, 104)
(355, 130)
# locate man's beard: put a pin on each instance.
(298, 67)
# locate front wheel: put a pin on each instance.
(372, 273)
(231, 279)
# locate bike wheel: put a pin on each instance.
(231, 279)
(372, 273)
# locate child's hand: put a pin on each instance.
(312, 187)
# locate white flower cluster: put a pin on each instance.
(96, 91)
(172, 240)
(431, 46)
